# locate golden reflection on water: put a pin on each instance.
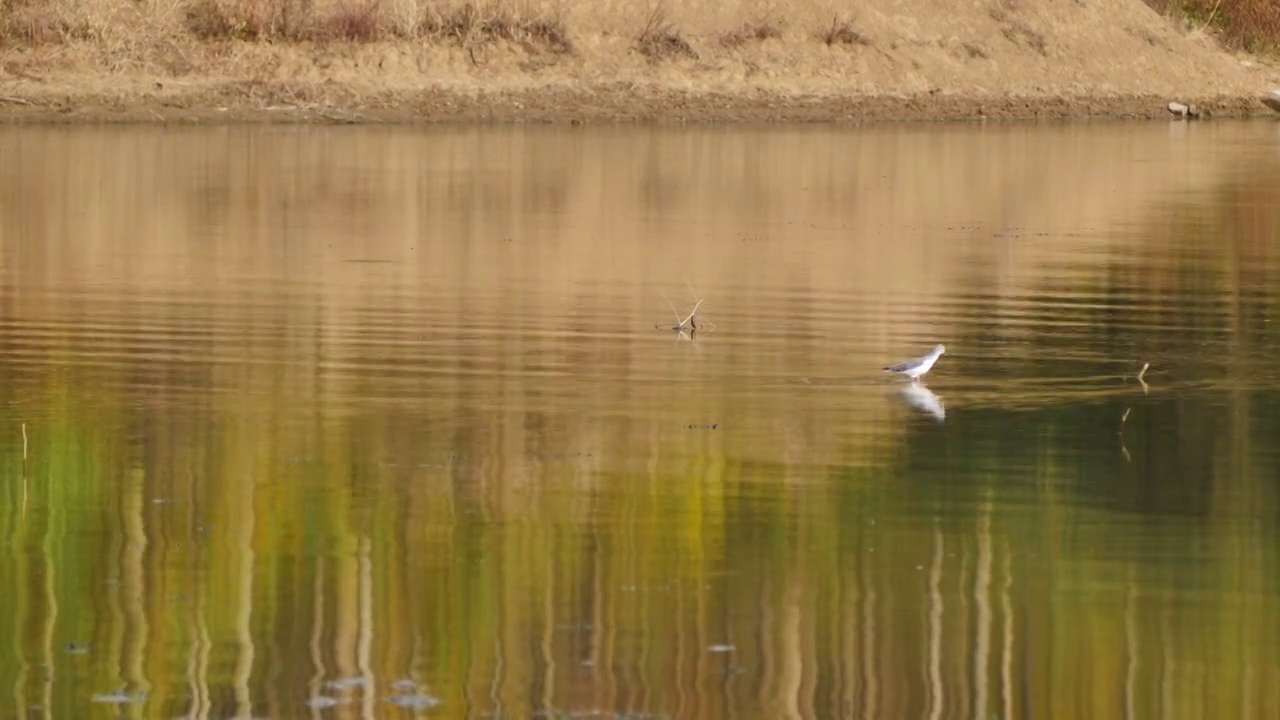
(363, 406)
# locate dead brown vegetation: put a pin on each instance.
(1252, 25)
(247, 19)
(353, 21)
(759, 30)
(842, 32)
(660, 40)
(34, 23)
(348, 60)
(468, 23)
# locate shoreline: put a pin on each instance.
(998, 60)
(621, 104)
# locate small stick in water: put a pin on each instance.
(705, 322)
(24, 469)
(688, 322)
(1143, 371)
(1120, 433)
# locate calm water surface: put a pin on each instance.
(377, 423)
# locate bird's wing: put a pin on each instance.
(901, 367)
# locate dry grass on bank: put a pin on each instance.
(373, 20)
(1252, 25)
(551, 60)
(33, 23)
(758, 30)
(547, 28)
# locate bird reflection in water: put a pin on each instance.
(922, 398)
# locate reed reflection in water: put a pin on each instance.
(378, 420)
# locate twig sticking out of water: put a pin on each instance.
(1124, 449)
(24, 469)
(705, 322)
(688, 323)
(1139, 376)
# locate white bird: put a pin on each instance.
(915, 368)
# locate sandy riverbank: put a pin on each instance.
(916, 60)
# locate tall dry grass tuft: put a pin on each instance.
(27, 23)
(352, 21)
(759, 30)
(30, 23)
(659, 40)
(244, 19)
(471, 24)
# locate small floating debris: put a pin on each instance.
(720, 648)
(1189, 112)
(120, 697)
(415, 701)
(566, 456)
(347, 683)
(321, 702)
(1272, 100)
(405, 686)
(74, 648)
(711, 426)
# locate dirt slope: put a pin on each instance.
(898, 59)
